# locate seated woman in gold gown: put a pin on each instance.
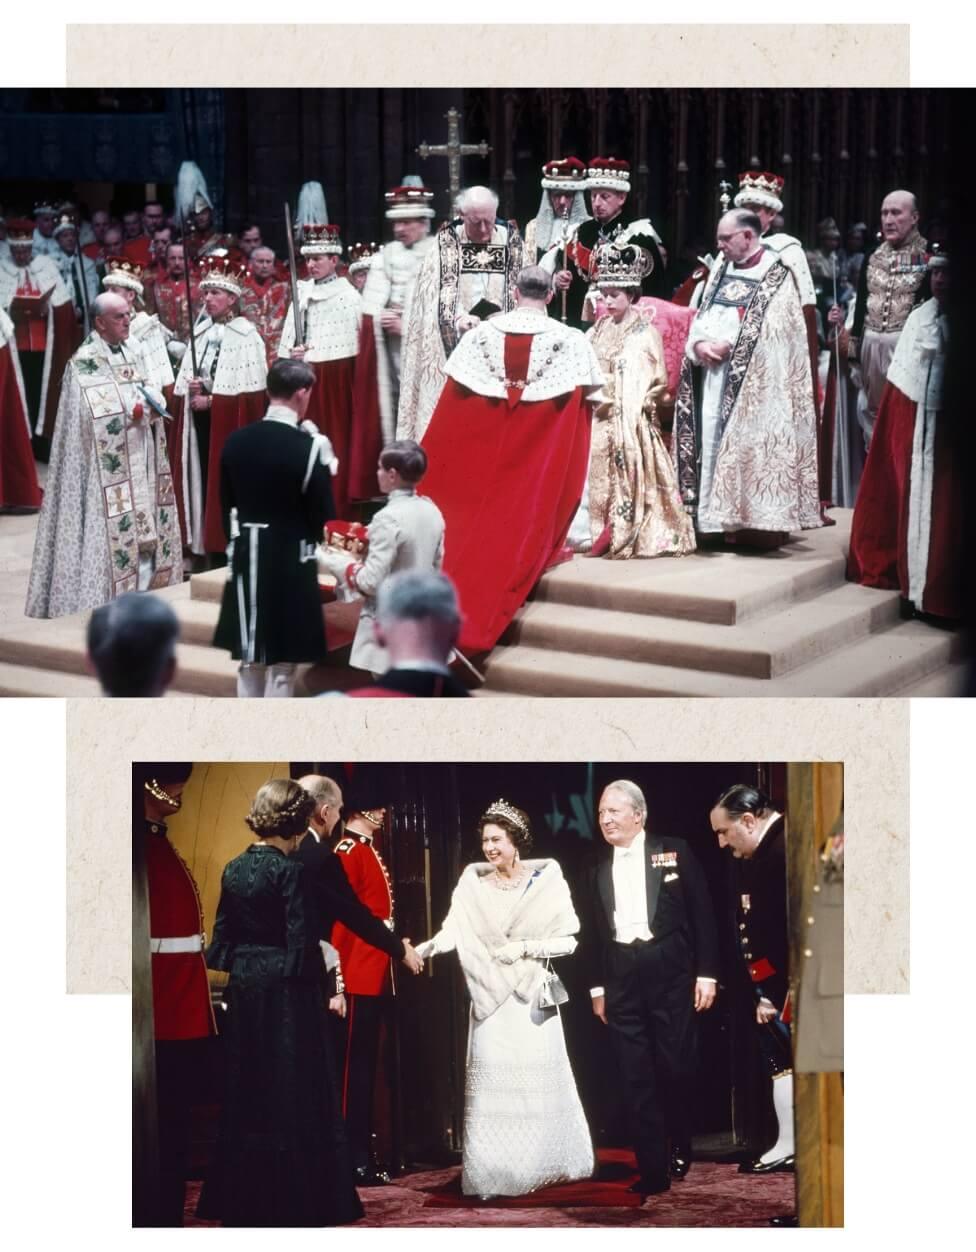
(633, 501)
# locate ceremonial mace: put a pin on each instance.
(839, 380)
(85, 310)
(564, 292)
(293, 276)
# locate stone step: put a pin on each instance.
(27, 681)
(715, 585)
(60, 646)
(878, 665)
(763, 647)
(947, 682)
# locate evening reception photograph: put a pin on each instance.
(586, 994)
(401, 392)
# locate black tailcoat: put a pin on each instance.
(762, 933)
(649, 993)
(273, 574)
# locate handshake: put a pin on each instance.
(411, 958)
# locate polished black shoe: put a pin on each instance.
(784, 1165)
(680, 1164)
(786, 1219)
(368, 1176)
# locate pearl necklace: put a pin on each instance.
(501, 883)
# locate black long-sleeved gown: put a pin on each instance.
(282, 1157)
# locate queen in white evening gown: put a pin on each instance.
(524, 1126)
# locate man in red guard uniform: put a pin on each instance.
(18, 476)
(101, 219)
(746, 821)
(156, 271)
(39, 305)
(192, 199)
(228, 394)
(335, 898)
(387, 302)
(175, 312)
(508, 448)
(182, 1016)
(368, 985)
(908, 516)
(138, 248)
(266, 298)
(329, 312)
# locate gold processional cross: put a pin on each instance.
(454, 150)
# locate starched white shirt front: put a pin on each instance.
(630, 920)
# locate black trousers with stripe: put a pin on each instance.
(650, 991)
(365, 1017)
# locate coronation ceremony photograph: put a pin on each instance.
(605, 370)
(393, 392)
(537, 995)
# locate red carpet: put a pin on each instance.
(616, 1170)
(712, 1195)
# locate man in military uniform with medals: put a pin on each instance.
(746, 821)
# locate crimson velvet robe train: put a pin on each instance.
(18, 475)
(227, 414)
(880, 549)
(507, 474)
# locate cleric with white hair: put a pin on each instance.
(467, 276)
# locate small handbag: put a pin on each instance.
(552, 990)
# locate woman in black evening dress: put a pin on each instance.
(282, 1157)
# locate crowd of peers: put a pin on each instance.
(611, 406)
(307, 932)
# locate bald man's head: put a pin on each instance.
(327, 795)
(899, 217)
(112, 316)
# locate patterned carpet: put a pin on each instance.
(713, 1194)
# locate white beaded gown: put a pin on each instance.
(524, 1126)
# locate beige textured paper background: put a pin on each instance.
(869, 736)
(487, 56)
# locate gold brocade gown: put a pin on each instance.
(632, 483)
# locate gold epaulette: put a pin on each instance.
(345, 845)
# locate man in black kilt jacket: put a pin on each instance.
(649, 947)
(276, 496)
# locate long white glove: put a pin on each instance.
(435, 946)
(536, 949)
